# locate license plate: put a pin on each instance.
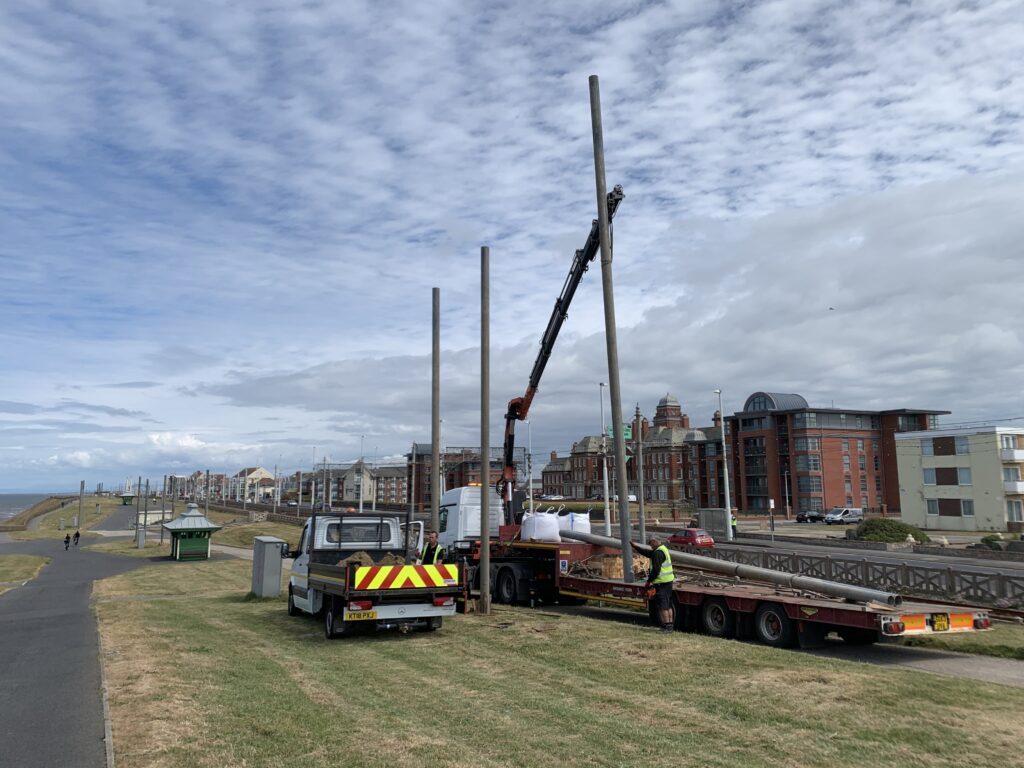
(940, 622)
(360, 615)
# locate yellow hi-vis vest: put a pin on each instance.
(437, 554)
(666, 574)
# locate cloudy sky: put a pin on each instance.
(222, 221)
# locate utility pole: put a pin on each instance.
(245, 490)
(140, 531)
(435, 416)
(81, 501)
(298, 498)
(621, 481)
(277, 489)
(604, 464)
(206, 494)
(163, 508)
(409, 516)
(529, 461)
(362, 477)
(725, 470)
(485, 430)
(638, 438)
(786, 489)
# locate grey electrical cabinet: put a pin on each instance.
(266, 566)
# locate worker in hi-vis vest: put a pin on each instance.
(660, 581)
(431, 554)
(732, 521)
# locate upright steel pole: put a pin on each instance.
(412, 502)
(621, 481)
(206, 493)
(604, 464)
(298, 497)
(529, 461)
(485, 430)
(81, 501)
(163, 508)
(435, 415)
(638, 439)
(725, 471)
(362, 477)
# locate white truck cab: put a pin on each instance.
(459, 518)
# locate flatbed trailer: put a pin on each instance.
(547, 572)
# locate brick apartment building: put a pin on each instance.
(781, 448)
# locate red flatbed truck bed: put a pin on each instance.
(717, 605)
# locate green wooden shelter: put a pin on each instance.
(190, 534)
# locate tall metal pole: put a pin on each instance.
(604, 464)
(638, 437)
(206, 493)
(277, 489)
(412, 502)
(362, 477)
(435, 415)
(81, 501)
(725, 471)
(138, 503)
(245, 490)
(485, 430)
(786, 489)
(621, 481)
(163, 508)
(529, 461)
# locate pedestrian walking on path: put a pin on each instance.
(77, 537)
(67, 541)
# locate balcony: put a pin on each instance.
(1013, 486)
(1012, 454)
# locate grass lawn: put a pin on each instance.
(242, 535)
(18, 568)
(49, 524)
(1005, 640)
(129, 548)
(217, 679)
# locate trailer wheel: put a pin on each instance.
(717, 619)
(505, 589)
(292, 608)
(333, 627)
(773, 627)
(858, 635)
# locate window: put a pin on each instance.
(864, 502)
(1015, 511)
(878, 484)
(846, 445)
(848, 486)
(849, 501)
(927, 447)
(967, 507)
(860, 445)
(846, 463)
(961, 446)
(874, 446)
(842, 419)
(860, 422)
(862, 463)
(1008, 442)
(863, 482)
(1011, 474)
(806, 444)
(963, 475)
(933, 506)
(877, 463)
(929, 476)
(811, 484)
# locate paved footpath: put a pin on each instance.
(51, 711)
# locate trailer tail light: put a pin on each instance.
(444, 602)
(893, 628)
(360, 605)
(983, 623)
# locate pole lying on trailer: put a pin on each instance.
(781, 578)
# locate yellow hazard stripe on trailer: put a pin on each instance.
(406, 576)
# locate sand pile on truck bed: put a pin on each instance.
(363, 558)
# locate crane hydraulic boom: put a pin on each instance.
(519, 407)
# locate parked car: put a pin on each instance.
(631, 497)
(810, 516)
(293, 503)
(691, 537)
(552, 497)
(844, 516)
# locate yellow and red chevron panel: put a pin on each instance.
(406, 576)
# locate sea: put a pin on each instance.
(13, 503)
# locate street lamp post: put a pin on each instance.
(529, 462)
(786, 489)
(725, 470)
(604, 465)
(361, 477)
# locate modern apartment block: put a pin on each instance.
(962, 479)
(782, 449)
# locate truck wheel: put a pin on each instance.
(333, 626)
(433, 625)
(292, 608)
(505, 589)
(858, 635)
(717, 619)
(773, 627)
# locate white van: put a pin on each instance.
(844, 515)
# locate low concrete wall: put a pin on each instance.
(844, 543)
(970, 554)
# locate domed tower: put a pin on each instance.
(670, 414)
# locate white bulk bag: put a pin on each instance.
(540, 526)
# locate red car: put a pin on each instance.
(691, 537)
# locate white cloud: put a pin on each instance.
(226, 203)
